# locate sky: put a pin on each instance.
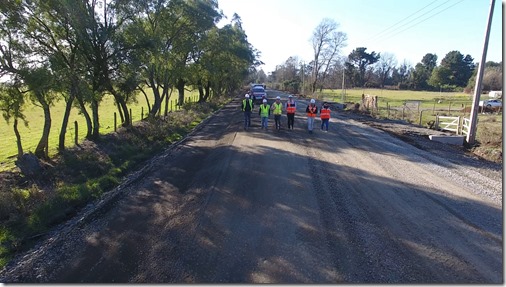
(407, 29)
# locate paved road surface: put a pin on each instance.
(353, 205)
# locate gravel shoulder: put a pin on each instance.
(354, 205)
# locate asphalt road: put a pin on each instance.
(354, 205)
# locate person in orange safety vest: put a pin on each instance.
(291, 107)
(325, 116)
(311, 112)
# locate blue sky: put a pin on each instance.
(408, 29)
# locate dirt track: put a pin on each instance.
(353, 205)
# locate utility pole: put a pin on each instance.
(302, 77)
(342, 87)
(471, 136)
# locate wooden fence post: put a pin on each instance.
(115, 121)
(131, 117)
(76, 127)
(142, 113)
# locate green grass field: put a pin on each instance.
(397, 97)
(489, 129)
(30, 135)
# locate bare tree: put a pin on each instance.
(385, 66)
(327, 42)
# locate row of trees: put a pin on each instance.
(78, 51)
(330, 69)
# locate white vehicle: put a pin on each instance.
(491, 104)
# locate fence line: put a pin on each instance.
(72, 138)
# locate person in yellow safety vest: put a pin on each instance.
(325, 116)
(264, 111)
(291, 107)
(277, 110)
(247, 106)
(311, 112)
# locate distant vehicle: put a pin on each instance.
(491, 104)
(258, 93)
(258, 85)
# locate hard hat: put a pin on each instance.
(278, 98)
(265, 101)
(290, 96)
(246, 96)
(312, 101)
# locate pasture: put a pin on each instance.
(421, 107)
(30, 135)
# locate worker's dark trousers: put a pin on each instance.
(247, 119)
(277, 121)
(291, 120)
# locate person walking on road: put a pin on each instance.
(291, 107)
(277, 110)
(264, 111)
(247, 106)
(311, 112)
(325, 116)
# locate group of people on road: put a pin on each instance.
(277, 108)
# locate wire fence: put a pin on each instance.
(76, 129)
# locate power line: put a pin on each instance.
(439, 12)
(377, 35)
(404, 25)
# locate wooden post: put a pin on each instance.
(403, 108)
(131, 117)
(76, 138)
(142, 113)
(388, 111)
(115, 121)
(421, 112)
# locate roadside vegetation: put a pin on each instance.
(29, 208)
(159, 66)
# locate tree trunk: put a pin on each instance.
(96, 123)
(122, 106)
(18, 138)
(167, 101)
(120, 112)
(201, 91)
(86, 115)
(180, 88)
(157, 104)
(41, 149)
(147, 99)
(207, 91)
(66, 115)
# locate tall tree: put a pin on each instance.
(400, 75)
(327, 43)
(40, 83)
(422, 72)
(385, 66)
(461, 68)
(359, 59)
(11, 107)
